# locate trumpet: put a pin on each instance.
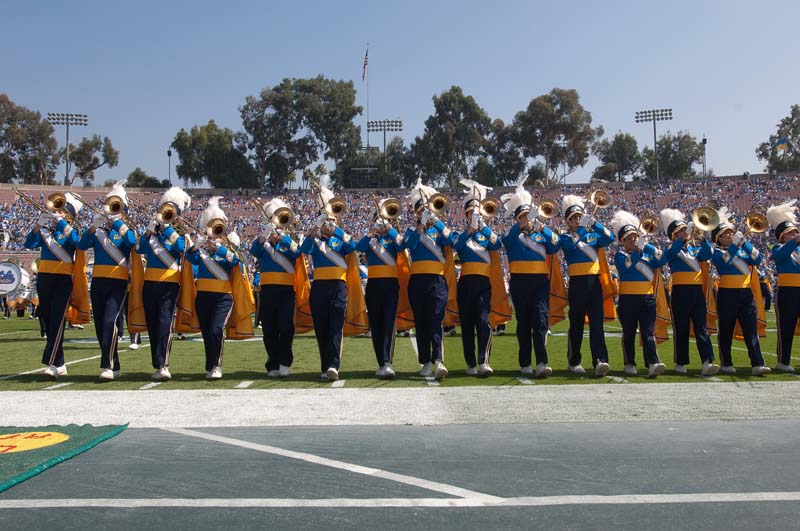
(600, 199)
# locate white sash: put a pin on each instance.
(796, 256)
(330, 254)
(55, 247)
(588, 250)
(162, 254)
(111, 249)
(278, 258)
(740, 264)
(689, 260)
(213, 267)
(645, 270)
(528, 242)
(381, 252)
(430, 245)
(482, 253)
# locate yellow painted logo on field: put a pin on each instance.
(29, 440)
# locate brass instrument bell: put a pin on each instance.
(282, 217)
(437, 203)
(114, 205)
(649, 224)
(489, 207)
(390, 208)
(216, 228)
(600, 199)
(756, 220)
(166, 214)
(705, 218)
(548, 209)
(56, 201)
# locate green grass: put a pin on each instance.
(21, 349)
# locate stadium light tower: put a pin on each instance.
(68, 118)
(654, 115)
(382, 126)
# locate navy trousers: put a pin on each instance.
(159, 300)
(586, 298)
(54, 293)
(474, 304)
(738, 304)
(787, 310)
(328, 300)
(427, 294)
(213, 310)
(530, 294)
(688, 305)
(276, 315)
(108, 304)
(381, 297)
(638, 311)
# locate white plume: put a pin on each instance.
(521, 196)
(571, 200)
(213, 211)
(77, 205)
(669, 215)
(787, 211)
(119, 190)
(475, 190)
(419, 189)
(622, 218)
(274, 204)
(177, 196)
(234, 239)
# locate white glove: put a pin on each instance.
(738, 239)
(537, 225)
(322, 218)
(44, 219)
(152, 226)
(587, 221)
(199, 240)
(689, 227)
(378, 226)
(481, 222)
(269, 230)
(98, 221)
(428, 216)
(641, 243)
(476, 216)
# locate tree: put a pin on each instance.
(28, 147)
(779, 158)
(86, 160)
(401, 166)
(620, 158)
(677, 156)
(454, 136)
(556, 127)
(138, 178)
(507, 161)
(207, 152)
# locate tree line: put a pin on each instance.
(300, 127)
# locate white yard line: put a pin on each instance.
(244, 384)
(524, 381)
(338, 383)
(341, 465)
(617, 379)
(150, 385)
(344, 503)
(57, 386)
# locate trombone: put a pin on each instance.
(600, 199)
(335, 206)
(167, 214)
(56, 202)
(114, 207)
(388, 209)
(215, 230)
(437, 203)
(648, 226)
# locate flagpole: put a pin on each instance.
(366, 75)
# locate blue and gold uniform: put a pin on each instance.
(328, 297)
(382, 291)
(475, 291)
(54, 283)
(787, 303)
(529, 285)
(277, 299)
(112, 247)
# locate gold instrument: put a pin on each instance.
(216, 228)
(649, 224)
(489, 207)
(548, 209)
(705, 218)
(437, 203)
(31, 201)
(56, 201)
(35, 266)
(115, 205)
(334, 207)
(600, 199)
(756, 220)
(282, 217)
(167, 214)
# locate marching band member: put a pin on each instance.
(735, 299)
(688, 300)
(528, 245)
(328, 245)
(380, 247)
(786, 256)
(427, 287)
(55, 277)
(112, 241)
(214, 302)
(474, 289)
(163, 248)
(637, 262)
(277, 255)
(582, 247)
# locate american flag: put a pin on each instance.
(364, 70)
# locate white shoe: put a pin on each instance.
(61, 371)
(577, 369)
(134, 346)
(332, 374)
(284, 371)
(51, 371)
(441, 371)
(472, 371)
(710, 369)
(485, 370)
(106, 374)
(527, 371)
(727, 369)
(630, 370)
(323, 376)
(601, 369)
(656, 369)
(680, 369)
(760, 371)
(381, 372)
(427, 370)
(274, 373)
(161, 374)
(784, 368)
(214, 374)
(388, 371)
(543, 371)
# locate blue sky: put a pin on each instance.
(144, 70)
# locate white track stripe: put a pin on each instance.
(349, 467)
(343, 503)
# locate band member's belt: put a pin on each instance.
(636, 288)
(687, 277)
(791, 280)
(528, 267)
(583, 268)
(213, 285)
(734, 281)
(55, 267)
(277, 277)
(157, 274)
(427, 267)
(110, 271)
(330, 273)
(475, 268)
(382, 271)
